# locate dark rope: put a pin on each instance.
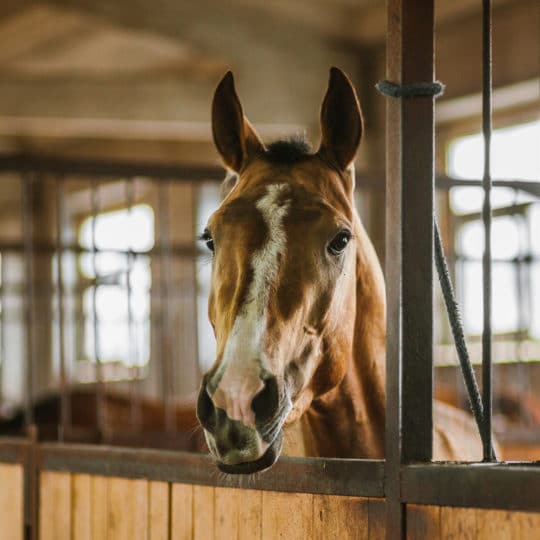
(454, 316)
(422, 89)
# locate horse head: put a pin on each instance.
(284, 272)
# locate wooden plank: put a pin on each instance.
(181, 512)
(11, 501)
(227, 503)
(287, 515)
(127, 513)
(158, 520)
(99, 486)
(81, 502)
(250, 514)
(423, 522)
(492, 524)
(377, 519)
(525, 525)
(340, 517)
(458, 523)
(55, 506)
(203, 512)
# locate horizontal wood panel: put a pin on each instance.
(357, 478)
(11, 501)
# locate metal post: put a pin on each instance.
(486, 217)
(133, 360)
(60, 294)
(28, 238)
(95, 319)
(409, 252)
(165, 312)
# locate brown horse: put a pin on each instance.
(297, 301)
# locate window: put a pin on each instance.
(117, 281)
(515, 234)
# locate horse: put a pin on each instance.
(297, 300)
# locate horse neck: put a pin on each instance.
(349, 421)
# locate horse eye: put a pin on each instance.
(206, 237)
(339, 242)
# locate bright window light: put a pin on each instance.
(515, 156)
(116, 233)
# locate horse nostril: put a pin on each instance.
(266, 402)
(206, 412)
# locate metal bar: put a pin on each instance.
(178, 250)
(65, 412)
(134, 401)
(529, 186)
(165, 327)
(84, 167)
(301, 475)
(3, 318)
(28, 233)
(95, 319)
(487, 375)
(475, 485)
(409, 251)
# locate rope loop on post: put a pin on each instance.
(421, 89)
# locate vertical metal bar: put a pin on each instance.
(60, 294)
(166, 337)
(487, 376)
(2, 321)
(28, 233)
(409, 252)
(134, 402)
(95, 319)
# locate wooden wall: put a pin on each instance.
(86, 507)
(444, 522)
(93, 507)
(11, 501)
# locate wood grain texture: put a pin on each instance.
(525, 525)
(11, 501)
(181, 512)
(127, 513)
(227, 503)
(458, 523)
(423, 522)
(55, 506)
(81, 507)
(377, 519)
(491, 524)
(203, 513)
(345, 518)
(287, 516)
(250, 514)
(99, 488)
(158, 519)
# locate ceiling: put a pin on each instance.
(154, 65)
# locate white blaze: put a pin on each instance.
(243, 356)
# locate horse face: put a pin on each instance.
(283, 281)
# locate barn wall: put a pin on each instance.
(92, 507)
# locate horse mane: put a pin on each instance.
(287, 151)
(280, 152)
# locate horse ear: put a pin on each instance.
(234, 136)
(341, 121)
